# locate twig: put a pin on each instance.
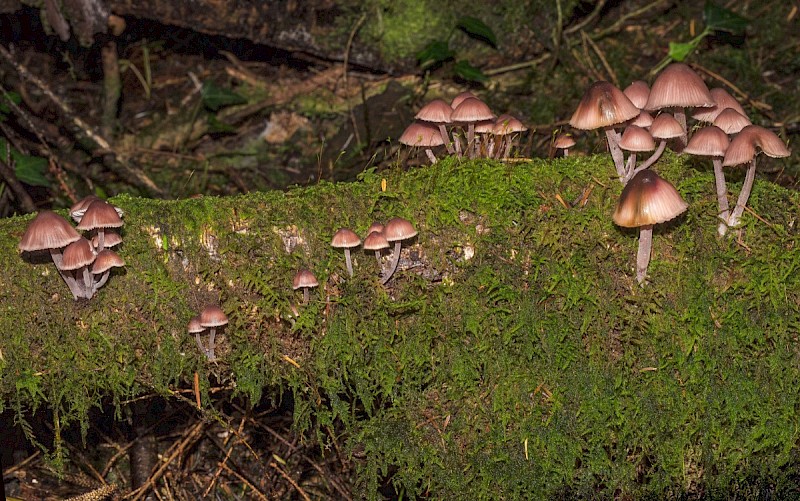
(588, 19)
(623, 20)
(130, 173)
(602, 57)
(517, 66)
(260, 494)
(762, 107)
(290, 480)
(22, 196)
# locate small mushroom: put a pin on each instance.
(212, 317)
(346, 239)
(99, 216)
(77, 257)
(50, 232)
(105, 260)
(396, 230)
(305, 280)
(375, 241)
(647, 200)
(195, 328)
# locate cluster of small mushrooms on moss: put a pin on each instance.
(379, 237)
(84, 262)
(209, 320)
(648, 115)
(474, 131)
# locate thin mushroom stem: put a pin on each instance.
(643, 254)
(88, 283)
(722, 196)
(457, 143)
(393, 265)
(509, 144)
(101, 239)
(102, 281)
(306, 295)
(470, 137)
(629, 168)
(744, 195)
(430, 155)
(617, 155)
(378, 257)
(348, 261)
(210, 353)
(680, 116)
(202, 348)
(447, 143)
(653, 158)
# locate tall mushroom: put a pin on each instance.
(647, 200)
(195, 328)
(742, 150)
(212, 317)
(470, 111)
(712, 142)
(99, 216)
(77, 257)
(51, 232)
(438, 113)
(346, 239)
(605, 106)
(422, 135)
(396, 230)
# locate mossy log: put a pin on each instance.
(512, 356)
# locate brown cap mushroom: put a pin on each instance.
(346, 239)
(99, 216)
(646, 200)
(422, 135)
(712, 142)
(105, 260)
(376, 242)
(438, 112)
(51, 232)
(396, 230)
(305, 280)
(212, 317)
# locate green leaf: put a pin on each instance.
(434, 54)
(10, 96)
(477, 29)
(217, 125)
(468, 72)
(721, 19)
(30, 170)
(215, 97)
(680, 51)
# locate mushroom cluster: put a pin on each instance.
(644, 120)
(474, 131)
(723, 131)
(211, 318)
(379, 237)
(84, 262)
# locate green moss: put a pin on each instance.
(517, 358)
(402, 28)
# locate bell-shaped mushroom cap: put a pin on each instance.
(602, 105)
(105, 260)
(110, 239)
(635, 138)
(213, 316)
(731, 121)
(665, 126)
(77, 254)
(644, 120)
(437, 111)
(648, 199)
(709, 141)
(472, 109)
(79, 208)
(507, 124)
(723, 101)
(460, 98)
(304, 278)
(398, 228)
(100, 214)
(345, 239)
(678, 85)
(48, 230)
(194, 326)
(375, 241)
(638, 92)
(563, 141)
(421, 134)
(375, 226)
(743, 146)
(485, 127)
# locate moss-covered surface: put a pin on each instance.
(514, 356)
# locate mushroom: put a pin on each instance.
(647, 200)
(305, 280)
(375, 241)
(212, 317)
(396, 230)
(195, 328)
(77, 257)
(723, 101)
(634, 139)
(424, 135)
(563, 142)
(638, 92)
(99, 216)
(712, 142)
(438, 113)
(742, 150)
(105, 260)
(346, 239)
(605, 106)
(679, 87)
(506, 127)
(470, 111)
(51, 232)
(731, 121)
